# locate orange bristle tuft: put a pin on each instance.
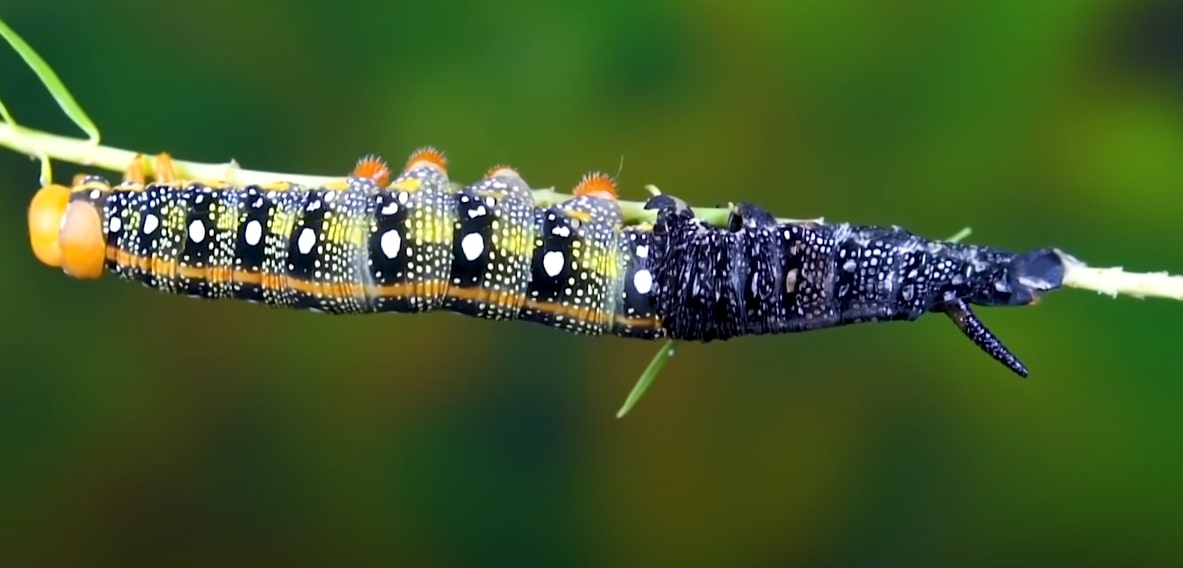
(374, 168)
(428, 156)
(596, 184)
(502, 170)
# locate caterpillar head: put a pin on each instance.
(65, 233)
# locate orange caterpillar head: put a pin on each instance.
(596, 184)
(65, 234)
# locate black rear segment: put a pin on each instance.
(756, 276)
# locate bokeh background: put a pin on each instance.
(137, 426)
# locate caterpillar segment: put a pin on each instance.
(411, 245)
(758, 276)
(67, 233)
(413, 242)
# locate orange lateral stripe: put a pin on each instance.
(229, 275)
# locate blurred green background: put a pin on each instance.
(137, 426)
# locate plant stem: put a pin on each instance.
(44, 145)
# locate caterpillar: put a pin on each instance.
(413, 242)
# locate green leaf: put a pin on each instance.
(50, 79)
(659, 361)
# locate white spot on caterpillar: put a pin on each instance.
(472, 245)
(643, 251)
(791, 281)
(552, 263)
(116, 224)
(390, 208)
(391, 241)
(151, 222)
(643, 281)
(197, 231)
(314, 205)
(307, 240)
(561, 231)
(254, 232)
(478, 212)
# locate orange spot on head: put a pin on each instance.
(83, 248)
(374, 168)
(428, 156)
(596, 184)
(46, 213)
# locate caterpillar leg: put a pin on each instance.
(747, 215)
(166, 172)
(134, 172)
(668, 204)
(976, 331)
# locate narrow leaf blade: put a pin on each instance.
(659, 361)
(50, 79)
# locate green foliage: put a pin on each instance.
(50, 79)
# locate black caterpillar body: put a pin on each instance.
(489, 250)
(757, 276)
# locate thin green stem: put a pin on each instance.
(84, 152)
(51, 81)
